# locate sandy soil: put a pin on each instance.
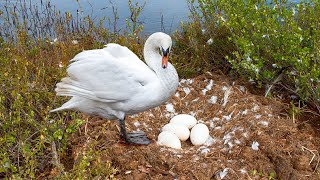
(237, 119)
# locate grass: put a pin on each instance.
(32, 63)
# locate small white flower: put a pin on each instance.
(256, 7)
(274, 65)
(301, 38)
(210, 41)
(255, 68)
(203, 31)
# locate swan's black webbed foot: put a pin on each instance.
(138, 138)
(134, 138)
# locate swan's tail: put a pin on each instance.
(71, 104)
(69, 87)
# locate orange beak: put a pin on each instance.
(165, 61)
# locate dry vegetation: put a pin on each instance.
(286, 150)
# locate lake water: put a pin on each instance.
(172, 11)
(157, 15)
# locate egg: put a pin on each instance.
(169, 139)
(199, 134)
(182, 132)
(184, 119)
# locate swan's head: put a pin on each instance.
(160, 42)
(165, 48)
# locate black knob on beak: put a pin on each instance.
(165, 52)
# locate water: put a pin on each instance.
(157, 15)
(172, 12)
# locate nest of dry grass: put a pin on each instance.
(236, 119)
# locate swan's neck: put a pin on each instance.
(151, 54)
(168, 76)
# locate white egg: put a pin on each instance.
(169, 139)
(184, 119)
(181, 131)
(199, 134)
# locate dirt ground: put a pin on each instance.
(237, 120)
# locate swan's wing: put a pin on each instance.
(111, 74)
(115, 50)
(119, 51)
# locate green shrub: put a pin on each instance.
(91, 164)
(27, 129)
(274, 40)
(201, 45)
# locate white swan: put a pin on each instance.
(113, 82)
